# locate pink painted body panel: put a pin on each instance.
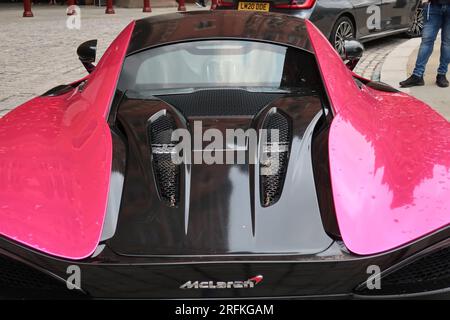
(55, 164)
(389, 161)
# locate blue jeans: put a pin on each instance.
(437, 17)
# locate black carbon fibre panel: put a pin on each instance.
(220, 102)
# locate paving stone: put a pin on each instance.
(39, 53)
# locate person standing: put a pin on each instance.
(437, 17)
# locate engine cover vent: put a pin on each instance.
(166, 173)
(220, 102)
(274, 155)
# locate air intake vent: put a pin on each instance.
(167, 173)
(220, 102)
(429, 273)
(275, 147)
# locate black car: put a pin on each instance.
(342, 19)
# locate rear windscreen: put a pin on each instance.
(218, 64)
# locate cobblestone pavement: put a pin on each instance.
(39, 53)
(376, 52)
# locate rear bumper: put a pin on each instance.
(333, 274)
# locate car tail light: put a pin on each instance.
(225, 3)
(307, 4)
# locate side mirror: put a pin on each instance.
(86, 53)
(353, 51)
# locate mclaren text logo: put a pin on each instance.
(247, 284)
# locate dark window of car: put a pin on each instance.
(219, 64)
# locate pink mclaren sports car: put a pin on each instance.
(357, 205)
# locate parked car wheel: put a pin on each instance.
(342, 30)
(415, 30)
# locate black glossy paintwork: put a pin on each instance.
(320, 158)
(218, 207)
(220, 211)
(329, 273)
(59, 90)
(176, 27)
(86, 53)
(116, 184)
(397, 13)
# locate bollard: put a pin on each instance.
(27, 9)
(181, 5)
(109, 7)
(146, 7)
(70, 10)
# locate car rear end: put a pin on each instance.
(299, 8)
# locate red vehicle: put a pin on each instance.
(87, 175)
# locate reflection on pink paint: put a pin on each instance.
(389, 161)
(55, 164)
